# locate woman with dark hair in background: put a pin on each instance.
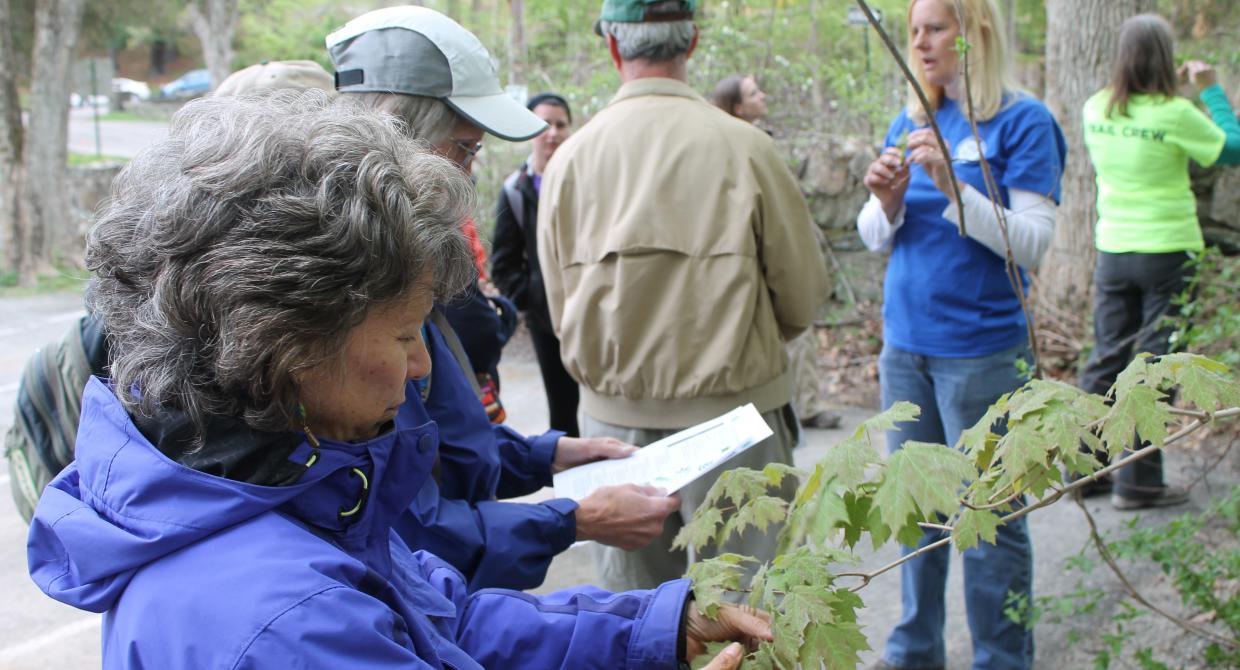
(1140, 135)
(514, 258)
(740, 96)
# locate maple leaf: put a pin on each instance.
(980, 444)
(787, 645)
(849, 461)
(803, 566)
(1139, 409)
(833, 646)
(1032, 397)
(812, 486)
(920, 481)
(844, 603)
(757, 586)
(900, 412)
(764, 658)
(713, 577)
(760, 513)
(879, 531)
(1203, 382)
(1136, 373)
(804, 605)
(701, 530)
(979, 437)
(830, 513)
(1022, 449)
(809, 514)
(1063, 426)
(857, 508)
(741, 484)
(974, 525)
(776, 472)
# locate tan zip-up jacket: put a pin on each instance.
(678, 256)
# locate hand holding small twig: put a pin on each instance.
(887, 179)
(1199, 73)
(924, 150)
(737, 623)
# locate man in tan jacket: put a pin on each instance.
(678, 257)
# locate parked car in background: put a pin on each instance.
(131, 88)
(191, 84)
(79, 100)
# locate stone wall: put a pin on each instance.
(89, 185)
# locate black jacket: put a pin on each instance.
(514, 250)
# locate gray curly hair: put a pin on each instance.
(243, 249)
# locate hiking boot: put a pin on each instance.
(824, 419)
(1166, 497)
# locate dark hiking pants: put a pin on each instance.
(1133, 296)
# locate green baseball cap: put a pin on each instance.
(638, 11)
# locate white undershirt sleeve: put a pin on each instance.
(876, 231)
(1030, 223)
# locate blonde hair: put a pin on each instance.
(989, 77)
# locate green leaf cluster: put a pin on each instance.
(1018, 450)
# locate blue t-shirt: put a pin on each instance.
(947, 295)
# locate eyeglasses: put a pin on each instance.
(470, 148)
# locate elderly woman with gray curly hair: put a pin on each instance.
(264, 274)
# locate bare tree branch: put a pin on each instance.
(1107, 558)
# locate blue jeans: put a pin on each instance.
(953, 394)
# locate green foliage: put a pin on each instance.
(715, 576)
(1194, 553)
(1015, 451)
(1209, 317)
(286, 30)
(63, 279)
(75, 159)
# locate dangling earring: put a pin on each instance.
(305, 428)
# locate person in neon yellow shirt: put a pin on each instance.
(1140, 135)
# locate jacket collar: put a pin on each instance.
(656, 86)
(131, 504)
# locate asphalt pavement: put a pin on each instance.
(122, 139)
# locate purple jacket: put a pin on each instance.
(194, 570)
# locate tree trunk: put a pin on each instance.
(214, 22)
(46, 215)
(815, 82)
(10, 145)
(516, 42)
(1078, 63)
(1009, 25)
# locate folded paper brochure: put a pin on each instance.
(674, 461)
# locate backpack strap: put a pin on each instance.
(41, 440)
(516, 199)
(458, 351)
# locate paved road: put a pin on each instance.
(38, 633)
(35, 631)
(117, 138)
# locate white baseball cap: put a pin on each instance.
(418, 51)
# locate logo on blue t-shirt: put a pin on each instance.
(968, 152)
